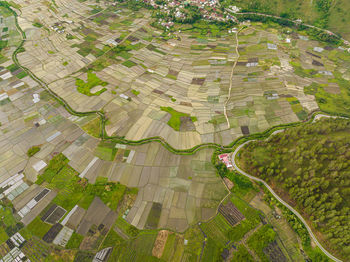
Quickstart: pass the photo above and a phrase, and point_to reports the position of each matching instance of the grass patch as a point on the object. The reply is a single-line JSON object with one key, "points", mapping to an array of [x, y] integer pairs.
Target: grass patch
{"points": [[38, 227], [171, 76], [128, 229], [73, 190], [141, 248], [242, 255], [129, 63], [175, 120], [12, 68], [135, 92], [338, 104], [218, 230], [260, 240], [33, 150], [297, 108], [93, 127], [106, 150], [3, 235], [75, 241], [112, 239], [37, 24], [21, 75], [92, 81]]}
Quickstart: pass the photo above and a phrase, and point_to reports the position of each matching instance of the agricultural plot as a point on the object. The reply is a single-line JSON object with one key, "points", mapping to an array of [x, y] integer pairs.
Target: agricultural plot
{"points": [[140, 249], [52, 233], [174, 191], [146, 75], [262, 243], [231, 213], [274, 253], [36, 250], [218, 230]]}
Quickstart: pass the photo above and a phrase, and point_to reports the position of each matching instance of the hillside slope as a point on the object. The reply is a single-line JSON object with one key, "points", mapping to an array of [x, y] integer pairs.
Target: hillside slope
{"points": [[329, 14], [309, 167]]}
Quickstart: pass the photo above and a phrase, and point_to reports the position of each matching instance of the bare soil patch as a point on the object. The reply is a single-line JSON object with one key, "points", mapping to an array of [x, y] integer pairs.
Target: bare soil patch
{"points": [[159, 244]]}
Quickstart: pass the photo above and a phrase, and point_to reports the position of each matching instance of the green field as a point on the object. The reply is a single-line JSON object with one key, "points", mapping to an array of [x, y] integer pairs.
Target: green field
{"points": [[92, 81], [73, 190], [112, 239], [242, 255], [140, 249], [106, 150], [175, 120], [38, 227], [260, 239], [74, 241], [218, 230], [338, 104]]}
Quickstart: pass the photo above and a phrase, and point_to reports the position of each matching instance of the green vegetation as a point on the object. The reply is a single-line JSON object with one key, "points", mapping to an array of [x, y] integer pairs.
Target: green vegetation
{"points": [[38, 24], [12, 68], [251, 221], [242, 184], [129, 63], [112, 239], [300, 71], [242, 255], [88, 46], [171, 76], [309, 165], [175, 120], [33, 150], [106, 150], [154, 216], [92, 81], [38, 227], [3, 44], [3, 235], [135, 92], [338, 104], [128, 229], [297, 108], [21, 75], [218, 229], [8, 224], [74, 190], [322, 13], [84, 256], [140, 249], [75, 241], [93, 127], [260, 239]]}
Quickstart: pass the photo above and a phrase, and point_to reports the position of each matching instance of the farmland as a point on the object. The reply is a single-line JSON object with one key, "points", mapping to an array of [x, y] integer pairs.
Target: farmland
{"points": [[146, 90], [112, 119]]}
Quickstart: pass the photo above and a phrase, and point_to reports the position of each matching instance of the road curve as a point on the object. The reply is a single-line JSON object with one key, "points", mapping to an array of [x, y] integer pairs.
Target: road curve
{"points": [[281, 201]]}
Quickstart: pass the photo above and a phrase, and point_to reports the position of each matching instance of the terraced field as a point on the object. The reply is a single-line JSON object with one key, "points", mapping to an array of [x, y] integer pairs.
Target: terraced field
{"points": [[94, 83]]}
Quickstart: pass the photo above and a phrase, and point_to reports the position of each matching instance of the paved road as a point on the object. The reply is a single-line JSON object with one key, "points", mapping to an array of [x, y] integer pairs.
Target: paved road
{"points": [[282, 202]]}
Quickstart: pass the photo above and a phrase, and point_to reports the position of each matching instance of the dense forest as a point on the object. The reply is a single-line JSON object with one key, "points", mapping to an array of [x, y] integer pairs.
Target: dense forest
{"points": [[309, 166]]}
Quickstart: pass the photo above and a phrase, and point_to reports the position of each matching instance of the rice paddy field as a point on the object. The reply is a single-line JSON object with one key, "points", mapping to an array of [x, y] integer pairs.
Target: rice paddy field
{"points": [[176, 86], [80, 194]]}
